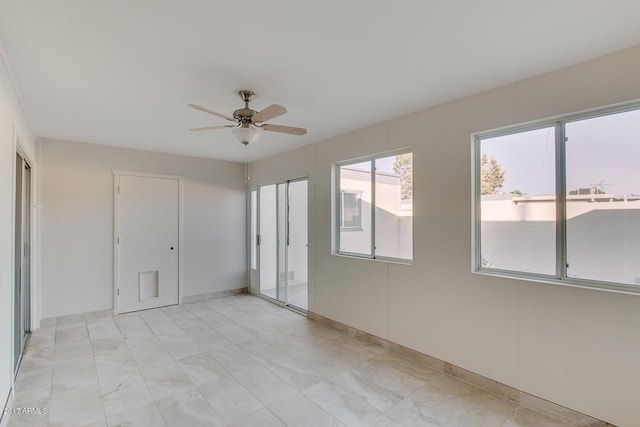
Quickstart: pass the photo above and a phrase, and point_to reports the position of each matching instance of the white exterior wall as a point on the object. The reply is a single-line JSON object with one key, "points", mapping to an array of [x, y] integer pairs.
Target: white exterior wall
{"points": [[576, 347], [393, 223], [387, 220], [12, 124], [603, 236], [77, 222], [358, 240]]}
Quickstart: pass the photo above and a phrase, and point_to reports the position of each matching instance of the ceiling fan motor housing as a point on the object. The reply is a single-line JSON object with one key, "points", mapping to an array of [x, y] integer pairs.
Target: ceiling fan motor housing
{"points": [[244, 115]]}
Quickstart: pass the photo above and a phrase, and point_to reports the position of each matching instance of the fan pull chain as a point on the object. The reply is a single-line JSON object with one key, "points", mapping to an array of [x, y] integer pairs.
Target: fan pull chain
{"points": [[247, 176]]}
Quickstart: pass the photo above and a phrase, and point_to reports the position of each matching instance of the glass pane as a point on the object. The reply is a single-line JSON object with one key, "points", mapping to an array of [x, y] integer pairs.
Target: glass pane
{"points": [[355, 205], [394, 206], [254, 216], [297, 258], [26, 263], [603, 198], [268, 241], [351, 209], [518, 202], [283, 271], [18, 261]]}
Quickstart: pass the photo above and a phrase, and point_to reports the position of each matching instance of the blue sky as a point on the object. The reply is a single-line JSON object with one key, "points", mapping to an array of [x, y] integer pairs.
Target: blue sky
{"points": [[600, 151]]}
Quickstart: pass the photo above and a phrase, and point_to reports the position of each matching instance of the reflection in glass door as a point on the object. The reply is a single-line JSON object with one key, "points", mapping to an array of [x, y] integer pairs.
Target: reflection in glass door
{"points": [[267, 241], [282, 242], [297, 247]]}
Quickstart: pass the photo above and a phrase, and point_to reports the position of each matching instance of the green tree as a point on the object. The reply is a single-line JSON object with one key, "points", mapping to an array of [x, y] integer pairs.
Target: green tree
{"points": [[403, 166], [491, 175]]}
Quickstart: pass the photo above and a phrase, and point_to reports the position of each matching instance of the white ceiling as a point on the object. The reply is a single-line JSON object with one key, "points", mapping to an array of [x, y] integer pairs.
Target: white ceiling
{"points": [[122, 72]]}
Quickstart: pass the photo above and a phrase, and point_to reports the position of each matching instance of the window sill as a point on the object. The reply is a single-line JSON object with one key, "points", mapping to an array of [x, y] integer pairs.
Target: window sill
{"points": [[572, 283], [377, 259], [348, 229]]}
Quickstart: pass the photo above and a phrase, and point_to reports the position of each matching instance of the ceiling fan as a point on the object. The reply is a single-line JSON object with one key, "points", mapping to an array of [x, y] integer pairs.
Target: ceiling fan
{"points": [[248, 121]]}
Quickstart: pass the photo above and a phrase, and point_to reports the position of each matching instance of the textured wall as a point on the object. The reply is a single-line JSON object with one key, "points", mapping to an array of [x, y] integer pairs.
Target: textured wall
{"points": [[576, 347], [77, 222]]}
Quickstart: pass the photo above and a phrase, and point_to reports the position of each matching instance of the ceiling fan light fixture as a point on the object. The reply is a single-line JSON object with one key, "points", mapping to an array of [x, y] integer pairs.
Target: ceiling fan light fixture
{"points": [[246, 135]]}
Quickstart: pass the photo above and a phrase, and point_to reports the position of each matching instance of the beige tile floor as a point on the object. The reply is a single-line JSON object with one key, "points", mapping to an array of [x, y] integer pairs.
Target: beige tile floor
{"points": [[237, 361], [297, 295]]}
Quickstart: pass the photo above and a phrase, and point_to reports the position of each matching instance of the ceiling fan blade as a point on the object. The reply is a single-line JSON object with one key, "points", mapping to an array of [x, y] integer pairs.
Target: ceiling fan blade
{"points": [[213, 127], [206, 110], [284, 129], [269, 113]]}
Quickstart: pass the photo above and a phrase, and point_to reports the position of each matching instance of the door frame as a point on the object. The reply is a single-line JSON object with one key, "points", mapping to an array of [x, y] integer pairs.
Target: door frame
{"points": [[258, 232], [117, 173], [34, 297]]}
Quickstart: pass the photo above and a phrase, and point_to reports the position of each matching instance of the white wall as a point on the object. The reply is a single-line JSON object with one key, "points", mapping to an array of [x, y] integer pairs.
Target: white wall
{"points": [[12, 120], [576, 347], [77, 222]]}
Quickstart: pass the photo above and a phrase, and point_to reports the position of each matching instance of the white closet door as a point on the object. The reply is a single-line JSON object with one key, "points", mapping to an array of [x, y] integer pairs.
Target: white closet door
{"points": [[148, 237]]}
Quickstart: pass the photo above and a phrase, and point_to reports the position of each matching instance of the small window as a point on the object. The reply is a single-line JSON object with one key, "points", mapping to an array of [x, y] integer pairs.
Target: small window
{"points": [[375, 207], [351, 212]]}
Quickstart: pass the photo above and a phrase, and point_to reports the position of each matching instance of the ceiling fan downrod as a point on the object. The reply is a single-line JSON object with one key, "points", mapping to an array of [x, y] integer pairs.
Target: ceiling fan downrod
{"points": [[245, 115]]}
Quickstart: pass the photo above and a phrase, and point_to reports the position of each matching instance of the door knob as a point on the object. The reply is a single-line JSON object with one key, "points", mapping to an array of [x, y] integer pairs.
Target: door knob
{"points": [[171, 247]]}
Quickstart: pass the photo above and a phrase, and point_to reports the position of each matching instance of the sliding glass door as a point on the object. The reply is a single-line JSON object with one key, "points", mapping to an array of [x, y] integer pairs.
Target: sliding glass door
{"points": [[282, 242], [22, 250], [267, 241], [297, 247]]}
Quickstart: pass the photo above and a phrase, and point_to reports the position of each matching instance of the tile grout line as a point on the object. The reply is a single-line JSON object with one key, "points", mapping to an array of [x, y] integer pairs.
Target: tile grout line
{"points": [[146, 384], [95, 368], [207, 352], [176, 361], [124, 340], [53, 367]]}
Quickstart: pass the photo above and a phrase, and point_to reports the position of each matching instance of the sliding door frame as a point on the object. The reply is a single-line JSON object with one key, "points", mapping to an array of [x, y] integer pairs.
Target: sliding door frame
{"points": [[258, 242], [22, 252]]}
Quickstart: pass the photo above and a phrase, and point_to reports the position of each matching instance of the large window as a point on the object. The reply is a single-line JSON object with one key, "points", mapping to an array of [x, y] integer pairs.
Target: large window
{"points": [[561, 201], [374, 215]]}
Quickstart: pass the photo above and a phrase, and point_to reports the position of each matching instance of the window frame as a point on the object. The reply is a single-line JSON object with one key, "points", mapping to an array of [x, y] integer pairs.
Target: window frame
{"points": [[337, 217], [560, 277]]}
